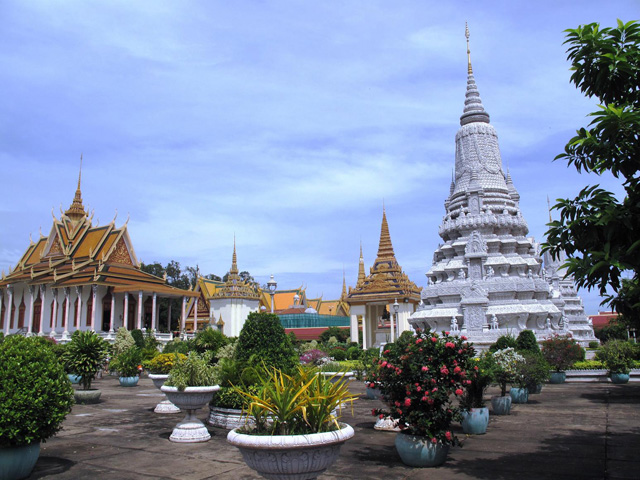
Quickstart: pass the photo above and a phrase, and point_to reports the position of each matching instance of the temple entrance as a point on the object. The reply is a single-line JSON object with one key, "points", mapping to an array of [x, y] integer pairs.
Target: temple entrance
{"points": [[37, 309], [106, 312]]}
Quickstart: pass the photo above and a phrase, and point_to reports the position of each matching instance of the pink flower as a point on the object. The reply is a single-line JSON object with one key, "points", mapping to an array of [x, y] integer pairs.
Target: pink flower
{"points": [[425, 369], [371, 385], [424, 398], [434, 440], [434, 389], [407, 402], [434, 339], [430, 401], [447, 435], [459, 391], [444, 371], [446, 333], [457, 370], [397, 404], [383, 364], [381, 416], [450, 345], [463, 337], [418, 341], [419, 388]]}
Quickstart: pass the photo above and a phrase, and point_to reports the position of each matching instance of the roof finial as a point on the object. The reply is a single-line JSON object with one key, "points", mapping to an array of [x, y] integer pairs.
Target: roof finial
{"points": [[466, 34], [80, 172], [549, 207]]}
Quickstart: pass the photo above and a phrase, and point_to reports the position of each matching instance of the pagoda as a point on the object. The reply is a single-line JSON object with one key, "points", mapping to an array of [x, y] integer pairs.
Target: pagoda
{"points": [[385, 285], [486, 279]]}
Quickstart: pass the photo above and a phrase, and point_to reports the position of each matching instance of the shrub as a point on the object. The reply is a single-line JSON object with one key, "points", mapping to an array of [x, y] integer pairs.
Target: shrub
{"points": [[479, 377], [209, 339], [612, 331], [124, 341], [338, 354], [85, 355], [508, 363], [164, 362], [228, 397], [263, 340], [533, 371], [504, 341], [588, 365], [354, 353], [35, 393], [178, 346], [617, 356], [128, 363], [562, 351], [594, 344], [526, 342], [341, 334], [314, 357], [194, 371], [138, 337], [419, 374]]}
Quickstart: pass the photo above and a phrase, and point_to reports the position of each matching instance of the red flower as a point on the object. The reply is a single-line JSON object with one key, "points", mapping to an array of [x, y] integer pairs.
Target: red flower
{"points": [[450, 345], [373, 412], [444, 371], [418, 341], [457, 370], [446, 333], [434, 339], [463, 337], [425, 369], [459, 391], [447, 435], [383, 364], [419, 388], [434, 440], [434, 389], [407, 402], [381, 416]]}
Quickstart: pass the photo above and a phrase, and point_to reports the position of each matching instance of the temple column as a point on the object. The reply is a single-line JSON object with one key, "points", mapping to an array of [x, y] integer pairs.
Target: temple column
{"points": [[125, 318], [31, 300], [394, 318], [112, 315], [43, 294], [169, 315], [139, 319], [195, 315], [79, 309], [7, 319], [65, 333], [365, 343], [354, 327], [54, 312], [183, 318], [153, 311], [94, 293]]}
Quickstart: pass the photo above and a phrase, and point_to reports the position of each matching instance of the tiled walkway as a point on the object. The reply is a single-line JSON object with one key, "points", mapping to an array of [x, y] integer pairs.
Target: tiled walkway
{"points": [[570, 431]]}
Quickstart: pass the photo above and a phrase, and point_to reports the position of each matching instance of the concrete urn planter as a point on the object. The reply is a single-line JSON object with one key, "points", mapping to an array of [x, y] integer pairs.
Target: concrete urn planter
{"points": [[296, 457], [165, 406], [190, 429], [91, 395], [228, 418]]}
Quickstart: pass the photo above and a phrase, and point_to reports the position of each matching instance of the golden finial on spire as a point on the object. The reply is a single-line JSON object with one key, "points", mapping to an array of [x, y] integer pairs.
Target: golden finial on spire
{"points": [[466, 34], [80, 173], [549, 207]]}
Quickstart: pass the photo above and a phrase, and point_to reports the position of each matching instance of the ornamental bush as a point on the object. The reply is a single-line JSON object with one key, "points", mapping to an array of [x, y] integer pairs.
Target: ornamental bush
{"points": [[419, 376], [178, 346], [504, 341], [128, 363], [163, 363], [194, 371], [35, 393], [526, 342], [124, 341], [508, 364], [562, 351], [617, 356], [479, 377], [263, 340], [209, 339], [85, 355]]}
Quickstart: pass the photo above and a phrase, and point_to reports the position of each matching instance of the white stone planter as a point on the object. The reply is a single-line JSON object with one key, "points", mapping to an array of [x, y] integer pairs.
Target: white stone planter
{"points": [[228, 418], [296, 457], [337, 377], [190, 429], [165, 406]]}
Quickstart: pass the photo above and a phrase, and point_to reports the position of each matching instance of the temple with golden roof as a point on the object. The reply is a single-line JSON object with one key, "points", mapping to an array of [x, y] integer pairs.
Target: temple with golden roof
{"points": [[374, 297], [81, 277]]}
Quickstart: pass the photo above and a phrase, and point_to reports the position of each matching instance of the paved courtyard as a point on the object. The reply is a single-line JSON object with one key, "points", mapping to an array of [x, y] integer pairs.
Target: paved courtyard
{"points": [[570, 431]]}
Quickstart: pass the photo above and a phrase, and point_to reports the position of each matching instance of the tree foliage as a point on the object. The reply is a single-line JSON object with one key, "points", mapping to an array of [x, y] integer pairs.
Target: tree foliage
{"points": [[600, 233]]}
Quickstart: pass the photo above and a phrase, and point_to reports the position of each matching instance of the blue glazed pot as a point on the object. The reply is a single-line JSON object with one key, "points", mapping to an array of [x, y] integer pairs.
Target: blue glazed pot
{"points": [[501, 405], [417, 451], [519, 395], [17, 462], [619, 378], [128, 381], [74, 379], [537, 389], [475, 421], [558, 377]]}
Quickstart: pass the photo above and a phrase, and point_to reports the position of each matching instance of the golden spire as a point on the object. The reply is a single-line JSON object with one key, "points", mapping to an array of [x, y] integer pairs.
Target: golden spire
{"points": [[234, 260], [344, 286], [549, 207], [385, 248], [361, 274], [76, 211], [466, 34]]}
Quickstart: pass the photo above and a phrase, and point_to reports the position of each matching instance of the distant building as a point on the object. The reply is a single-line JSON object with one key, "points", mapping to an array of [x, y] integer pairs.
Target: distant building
{"points": [[82, 277]]}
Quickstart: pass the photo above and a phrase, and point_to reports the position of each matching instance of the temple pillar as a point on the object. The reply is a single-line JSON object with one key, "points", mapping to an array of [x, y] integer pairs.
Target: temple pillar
{"points": [[54, 312], [94, 296], [112, 315], [139, 316], [79, 309], [169, 315], [65, 333], [195, 315], [7, 319], [43, 295], [365, 330], [125, 320], [183, 317], [153, 311], [31, 300], [354, 327]]}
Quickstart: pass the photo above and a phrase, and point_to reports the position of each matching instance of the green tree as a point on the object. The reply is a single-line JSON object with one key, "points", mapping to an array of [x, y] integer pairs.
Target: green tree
{"points": [[599, 233]]}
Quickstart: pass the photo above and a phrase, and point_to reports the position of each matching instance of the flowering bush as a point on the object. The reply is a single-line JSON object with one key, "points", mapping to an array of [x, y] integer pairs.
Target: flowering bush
{"points": [[617, 356], [314, 357], [479, 377], [419, 375], [508, 364], [532, 371], [561, 351]]}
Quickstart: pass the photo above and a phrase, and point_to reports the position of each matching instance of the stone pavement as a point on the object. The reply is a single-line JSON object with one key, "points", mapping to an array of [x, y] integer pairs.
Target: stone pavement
{"points": [[570, 431]]}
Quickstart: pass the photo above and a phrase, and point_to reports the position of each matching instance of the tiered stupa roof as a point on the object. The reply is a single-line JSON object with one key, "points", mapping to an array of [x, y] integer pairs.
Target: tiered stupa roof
{"points": [[486, 277], [235, 286], [386, 280]]}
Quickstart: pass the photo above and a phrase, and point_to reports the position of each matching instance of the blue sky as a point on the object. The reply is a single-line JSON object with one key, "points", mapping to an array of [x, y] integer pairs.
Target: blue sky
{"points": [[286, 123]]}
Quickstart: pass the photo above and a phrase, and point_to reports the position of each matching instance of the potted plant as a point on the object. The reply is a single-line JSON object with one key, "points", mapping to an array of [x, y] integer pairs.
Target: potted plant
{"points": [[128, 365], [190, 386], [617, 356], [507, 363], [532, 373], [335, 372], [85, 355], [371, 380], [35, 397], [561, 351], [296, 433], [419, 377], [475, 415], [159, 368]]}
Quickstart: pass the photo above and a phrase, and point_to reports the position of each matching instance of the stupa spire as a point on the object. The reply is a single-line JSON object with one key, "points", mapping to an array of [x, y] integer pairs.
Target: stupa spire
{"points": [[234, 259], [76, 211], [343, 295], [361, 273], [385, 248], [473, 109]]}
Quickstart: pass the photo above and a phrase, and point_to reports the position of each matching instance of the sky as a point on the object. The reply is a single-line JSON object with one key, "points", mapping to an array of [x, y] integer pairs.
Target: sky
{"points": [[287, 124]]}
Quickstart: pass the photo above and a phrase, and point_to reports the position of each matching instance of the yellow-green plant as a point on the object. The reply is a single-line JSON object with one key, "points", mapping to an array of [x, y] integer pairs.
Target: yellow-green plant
{"points": [[164, 362], [300, 403]]}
